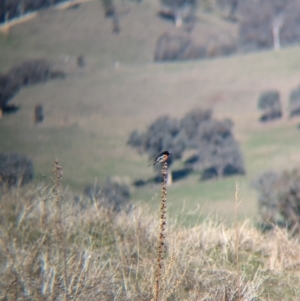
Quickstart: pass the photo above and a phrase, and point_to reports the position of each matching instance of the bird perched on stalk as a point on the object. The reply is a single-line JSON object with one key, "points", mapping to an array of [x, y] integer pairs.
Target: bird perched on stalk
{"points": [[161, 158]]}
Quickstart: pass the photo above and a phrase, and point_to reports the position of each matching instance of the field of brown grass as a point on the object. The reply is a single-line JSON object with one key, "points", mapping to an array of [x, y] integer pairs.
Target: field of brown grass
{"points": [[89, 115], [55, 248]]}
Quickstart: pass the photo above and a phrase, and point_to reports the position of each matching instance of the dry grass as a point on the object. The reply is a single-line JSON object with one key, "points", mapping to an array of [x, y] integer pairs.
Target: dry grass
{"points": [[51, 248]]}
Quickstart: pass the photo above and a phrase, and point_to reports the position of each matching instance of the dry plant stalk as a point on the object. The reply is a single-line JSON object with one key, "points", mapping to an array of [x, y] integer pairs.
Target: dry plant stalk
{"points": [[237, 240], [59, 226], [161, 237]]}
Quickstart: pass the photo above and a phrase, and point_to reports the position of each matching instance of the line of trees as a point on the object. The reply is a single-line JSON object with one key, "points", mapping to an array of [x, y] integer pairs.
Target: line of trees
{"points": [[262, 24], [216, 151], [27, 73], [10, 9]]}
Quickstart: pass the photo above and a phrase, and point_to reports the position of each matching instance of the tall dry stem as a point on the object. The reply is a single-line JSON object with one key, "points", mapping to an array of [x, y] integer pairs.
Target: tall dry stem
{"points": [[58, 172], [161, 237], [237, 240]]}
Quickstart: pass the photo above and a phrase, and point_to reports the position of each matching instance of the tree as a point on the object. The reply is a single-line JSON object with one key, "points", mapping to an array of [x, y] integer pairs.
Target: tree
{"points": [[8, 89], [269, 104], [294, 102], [217, 150], [111, 12], [192, 120], [269, 23], [39, 114], [213, 142], [163, 134], [108, 7], [180, 10]]}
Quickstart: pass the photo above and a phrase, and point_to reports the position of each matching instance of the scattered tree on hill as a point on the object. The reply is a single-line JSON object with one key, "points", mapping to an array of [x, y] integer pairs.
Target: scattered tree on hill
{"points": [[217, 151], [163, 134], [108, 7], [111, 12], [38, 114], [279, 198], [81, 61], [116, 23], [294, 102], [181, 11], [269, 104], [15, 169], [269, 23]]}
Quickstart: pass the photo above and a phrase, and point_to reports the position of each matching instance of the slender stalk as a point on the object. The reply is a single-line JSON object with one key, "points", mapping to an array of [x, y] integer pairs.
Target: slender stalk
{"points": [[59, 225], [237, 239], [161, 237]]}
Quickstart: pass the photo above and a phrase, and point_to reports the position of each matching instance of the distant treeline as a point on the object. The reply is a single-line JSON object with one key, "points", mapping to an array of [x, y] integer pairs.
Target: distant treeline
{"points": [[11, 9], [27, 73]]}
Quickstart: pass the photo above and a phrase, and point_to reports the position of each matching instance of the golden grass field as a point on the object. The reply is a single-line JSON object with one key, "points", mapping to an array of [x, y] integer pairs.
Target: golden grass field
{"points": [[90, 114], [52, 248]]}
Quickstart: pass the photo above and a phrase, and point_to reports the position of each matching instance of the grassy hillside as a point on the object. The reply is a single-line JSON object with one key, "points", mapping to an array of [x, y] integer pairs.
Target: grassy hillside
{"points": [[89, 115]]}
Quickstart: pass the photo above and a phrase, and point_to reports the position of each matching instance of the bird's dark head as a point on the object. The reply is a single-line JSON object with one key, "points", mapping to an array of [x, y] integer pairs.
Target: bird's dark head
{"points": [[166, 153]]}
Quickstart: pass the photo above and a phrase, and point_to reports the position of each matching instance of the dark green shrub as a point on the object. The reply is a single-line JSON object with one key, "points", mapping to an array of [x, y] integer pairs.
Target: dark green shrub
{"points": [[15, 169]]}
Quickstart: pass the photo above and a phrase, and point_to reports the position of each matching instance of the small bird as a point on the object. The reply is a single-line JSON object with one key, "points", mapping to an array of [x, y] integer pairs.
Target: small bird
{"points": [[162, 157]]}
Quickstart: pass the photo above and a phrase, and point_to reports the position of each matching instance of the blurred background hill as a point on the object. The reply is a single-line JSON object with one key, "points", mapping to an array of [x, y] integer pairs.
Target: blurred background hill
{"points": [[121, 65]]}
